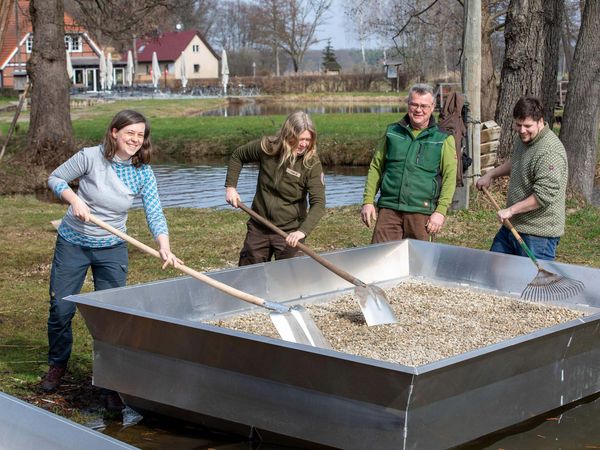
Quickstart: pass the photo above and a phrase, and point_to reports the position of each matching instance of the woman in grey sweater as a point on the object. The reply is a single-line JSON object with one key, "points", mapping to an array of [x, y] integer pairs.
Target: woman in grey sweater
{"points": [[110, 176]]}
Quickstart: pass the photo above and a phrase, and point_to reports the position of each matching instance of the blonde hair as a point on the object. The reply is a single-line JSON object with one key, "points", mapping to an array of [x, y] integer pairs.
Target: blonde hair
{"points": [[286, 140]]}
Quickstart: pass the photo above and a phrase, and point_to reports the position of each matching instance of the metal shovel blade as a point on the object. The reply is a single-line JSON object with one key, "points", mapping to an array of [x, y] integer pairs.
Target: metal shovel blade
{"points": [[374, 305], [297, 325]]}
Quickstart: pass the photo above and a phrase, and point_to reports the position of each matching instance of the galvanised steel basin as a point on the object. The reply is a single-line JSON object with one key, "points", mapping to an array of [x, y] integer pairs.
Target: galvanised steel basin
{"points": [[151, 345]]}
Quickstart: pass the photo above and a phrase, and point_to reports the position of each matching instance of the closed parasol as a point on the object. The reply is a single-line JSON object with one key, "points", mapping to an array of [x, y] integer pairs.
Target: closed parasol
{"points": [[102, 70], [69, 66], [224, 71], [155, 70], [109, 72], [183, 72], [129, 72]]}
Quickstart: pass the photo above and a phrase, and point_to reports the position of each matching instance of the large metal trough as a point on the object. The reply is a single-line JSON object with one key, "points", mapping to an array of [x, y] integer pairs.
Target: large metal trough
{"points": [[26, 427], [150, 344]]}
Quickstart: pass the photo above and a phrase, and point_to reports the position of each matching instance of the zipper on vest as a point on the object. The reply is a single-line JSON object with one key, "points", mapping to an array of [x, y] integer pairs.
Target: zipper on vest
{"points": [[419, 151]]}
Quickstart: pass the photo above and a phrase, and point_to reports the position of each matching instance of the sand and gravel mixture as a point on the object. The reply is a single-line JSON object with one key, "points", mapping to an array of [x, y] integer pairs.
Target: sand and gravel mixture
{"points": [[434, 322]]}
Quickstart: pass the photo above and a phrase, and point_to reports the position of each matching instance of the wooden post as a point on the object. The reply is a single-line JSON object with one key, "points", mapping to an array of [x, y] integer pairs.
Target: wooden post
{"points": [[471, 83]]}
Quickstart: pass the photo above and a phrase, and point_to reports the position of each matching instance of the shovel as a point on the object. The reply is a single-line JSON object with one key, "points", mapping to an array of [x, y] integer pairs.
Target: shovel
{"points": [[293, 324], [372, 300], [546, 286]]}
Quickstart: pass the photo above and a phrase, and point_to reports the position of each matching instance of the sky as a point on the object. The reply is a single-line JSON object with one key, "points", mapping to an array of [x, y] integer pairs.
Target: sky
{"points": [[336, 29]]}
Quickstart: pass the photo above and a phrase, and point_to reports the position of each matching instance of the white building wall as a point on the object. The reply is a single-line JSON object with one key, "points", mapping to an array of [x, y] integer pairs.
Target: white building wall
{"points": [[207, 62]]}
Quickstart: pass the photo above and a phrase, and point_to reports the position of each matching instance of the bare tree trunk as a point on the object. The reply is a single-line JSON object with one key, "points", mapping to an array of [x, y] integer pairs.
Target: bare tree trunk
{"points": [[553, 17], [523, 65], [489, 82], [50, 135], [579, 131]]}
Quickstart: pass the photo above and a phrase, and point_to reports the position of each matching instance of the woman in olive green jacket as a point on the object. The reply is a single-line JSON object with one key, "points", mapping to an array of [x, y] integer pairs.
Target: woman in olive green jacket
{"points": [[289, 172]]}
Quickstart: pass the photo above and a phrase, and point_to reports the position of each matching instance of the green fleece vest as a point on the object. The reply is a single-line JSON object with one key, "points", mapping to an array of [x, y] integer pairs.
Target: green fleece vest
{"points": [[411, 177]]}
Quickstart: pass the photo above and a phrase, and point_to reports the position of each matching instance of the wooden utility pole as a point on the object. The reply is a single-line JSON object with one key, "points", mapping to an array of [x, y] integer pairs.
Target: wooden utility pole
{"points": [[471, 85]]}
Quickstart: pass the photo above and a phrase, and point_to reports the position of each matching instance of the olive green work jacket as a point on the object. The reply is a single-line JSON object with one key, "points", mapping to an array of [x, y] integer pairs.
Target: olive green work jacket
{"points": [[282, 192]]}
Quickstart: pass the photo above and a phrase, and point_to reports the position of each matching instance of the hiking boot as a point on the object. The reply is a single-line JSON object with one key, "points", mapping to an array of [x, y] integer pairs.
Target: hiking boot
{"points": [[52, 378], [113, 402]]}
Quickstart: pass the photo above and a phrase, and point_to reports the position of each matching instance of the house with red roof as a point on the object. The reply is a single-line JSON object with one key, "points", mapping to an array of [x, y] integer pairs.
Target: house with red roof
{"points": [[17, 43], [201, 61]]}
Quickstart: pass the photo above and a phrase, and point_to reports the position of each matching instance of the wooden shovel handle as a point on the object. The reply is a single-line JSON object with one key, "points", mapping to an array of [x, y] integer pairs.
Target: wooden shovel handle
{"points": [[199, 276], [310, 252], [512, 229]]}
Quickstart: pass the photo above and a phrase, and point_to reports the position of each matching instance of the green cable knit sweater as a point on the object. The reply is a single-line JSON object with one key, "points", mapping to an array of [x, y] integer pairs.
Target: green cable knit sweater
{"points": [[539, 168]]}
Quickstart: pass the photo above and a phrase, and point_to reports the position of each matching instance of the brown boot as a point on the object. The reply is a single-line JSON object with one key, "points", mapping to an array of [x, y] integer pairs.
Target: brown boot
{"points": [[52, 378]]}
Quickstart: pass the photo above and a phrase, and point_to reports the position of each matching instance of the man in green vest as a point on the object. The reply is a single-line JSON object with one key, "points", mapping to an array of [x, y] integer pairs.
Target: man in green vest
{"points": [[414, 169]]}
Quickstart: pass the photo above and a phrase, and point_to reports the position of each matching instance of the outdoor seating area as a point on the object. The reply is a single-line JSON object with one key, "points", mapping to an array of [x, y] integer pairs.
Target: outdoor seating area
{"points": [[149, 91]]}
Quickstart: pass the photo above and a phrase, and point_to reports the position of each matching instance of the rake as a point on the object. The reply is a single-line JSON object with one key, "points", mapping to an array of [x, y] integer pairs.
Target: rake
{"points": [[546, 286]]}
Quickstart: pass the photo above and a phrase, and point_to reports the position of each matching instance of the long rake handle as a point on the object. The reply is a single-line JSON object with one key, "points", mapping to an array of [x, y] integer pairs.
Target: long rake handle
{"points": [[187, 270], [310, 252], [512, 229]]}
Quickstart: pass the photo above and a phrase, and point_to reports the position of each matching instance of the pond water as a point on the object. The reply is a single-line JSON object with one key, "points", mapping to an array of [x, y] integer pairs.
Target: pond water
{"points": [[202, 186], [271, 108]]}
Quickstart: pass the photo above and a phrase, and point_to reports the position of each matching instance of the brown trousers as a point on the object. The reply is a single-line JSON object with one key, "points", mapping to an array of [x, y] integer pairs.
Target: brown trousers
{"points": [[394, 225], [262, 244]]}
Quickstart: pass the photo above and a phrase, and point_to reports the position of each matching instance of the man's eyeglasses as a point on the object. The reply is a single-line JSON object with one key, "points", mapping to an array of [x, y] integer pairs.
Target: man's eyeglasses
{"points": [[418, 105]]}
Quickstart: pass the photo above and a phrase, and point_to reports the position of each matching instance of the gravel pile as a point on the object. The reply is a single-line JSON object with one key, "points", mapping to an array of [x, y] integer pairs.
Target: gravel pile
{"points": [[434, 322]]}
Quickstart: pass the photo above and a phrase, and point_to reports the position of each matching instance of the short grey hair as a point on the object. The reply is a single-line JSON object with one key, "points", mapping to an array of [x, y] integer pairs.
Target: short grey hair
{"points": [[421, 89]]}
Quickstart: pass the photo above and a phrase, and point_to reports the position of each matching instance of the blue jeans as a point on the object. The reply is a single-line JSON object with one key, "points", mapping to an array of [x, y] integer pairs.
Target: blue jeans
{"points": [[69, 267], [541, 247]]}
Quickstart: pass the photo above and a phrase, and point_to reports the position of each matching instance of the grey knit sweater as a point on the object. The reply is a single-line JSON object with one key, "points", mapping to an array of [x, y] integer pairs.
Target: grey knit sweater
{"points": [[539, 168]]}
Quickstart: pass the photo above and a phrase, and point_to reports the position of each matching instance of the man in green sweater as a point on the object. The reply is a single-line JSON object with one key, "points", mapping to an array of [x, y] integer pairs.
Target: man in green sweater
{"points": [[414, 168], [537, 188]]}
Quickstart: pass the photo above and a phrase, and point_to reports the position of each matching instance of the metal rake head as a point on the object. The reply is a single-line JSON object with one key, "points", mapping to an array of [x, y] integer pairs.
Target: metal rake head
{"points": [[549, 287]]}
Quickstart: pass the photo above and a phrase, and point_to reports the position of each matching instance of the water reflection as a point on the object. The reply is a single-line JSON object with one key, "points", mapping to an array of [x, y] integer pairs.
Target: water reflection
{"points": [[202, 186], [269, 108], [574, 428]]}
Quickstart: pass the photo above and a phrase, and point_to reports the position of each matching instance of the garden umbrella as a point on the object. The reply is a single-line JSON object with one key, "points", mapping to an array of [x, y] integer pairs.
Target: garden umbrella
{"points": [[182, 72], [224, 71], [102, 70], [69, 66], [109, 72], [155, 70], [129, 72]]}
